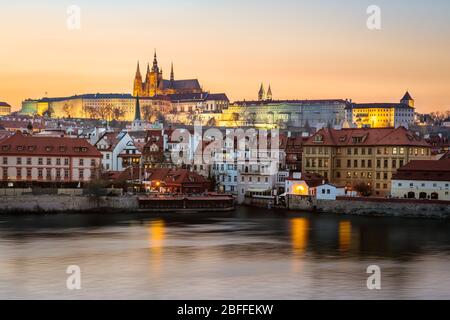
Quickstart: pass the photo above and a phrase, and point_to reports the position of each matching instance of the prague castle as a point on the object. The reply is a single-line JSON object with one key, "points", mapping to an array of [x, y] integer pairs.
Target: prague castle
{"points": [[155, 85]]}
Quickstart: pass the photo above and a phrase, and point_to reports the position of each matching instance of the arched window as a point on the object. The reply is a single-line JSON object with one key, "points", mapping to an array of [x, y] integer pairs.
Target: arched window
{"points": [[423, 195], [411, 195], [434, 196]]}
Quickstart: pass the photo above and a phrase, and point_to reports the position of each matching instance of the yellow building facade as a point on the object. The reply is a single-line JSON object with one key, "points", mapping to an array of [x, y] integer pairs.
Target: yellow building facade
{"points": [[351, 157]]}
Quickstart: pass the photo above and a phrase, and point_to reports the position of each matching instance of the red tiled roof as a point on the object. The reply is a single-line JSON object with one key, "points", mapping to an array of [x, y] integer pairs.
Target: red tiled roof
{"points": [[169, 176], [19, 144], [17, 124], [434, 170], [366, 136]]}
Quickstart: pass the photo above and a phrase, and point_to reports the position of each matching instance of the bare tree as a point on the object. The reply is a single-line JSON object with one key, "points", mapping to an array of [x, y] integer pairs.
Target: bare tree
{"points": [[67, 108], [117, 113]]}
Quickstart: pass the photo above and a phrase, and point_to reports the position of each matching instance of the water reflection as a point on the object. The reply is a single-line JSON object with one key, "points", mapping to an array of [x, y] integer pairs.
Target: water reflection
{"points": [[299, 235], [345, 234], [156, 231], [252, 253]]}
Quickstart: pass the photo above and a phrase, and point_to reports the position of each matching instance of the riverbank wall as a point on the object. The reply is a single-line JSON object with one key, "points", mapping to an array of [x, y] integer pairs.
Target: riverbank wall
{"points": [[66, 203], [373, 206]]}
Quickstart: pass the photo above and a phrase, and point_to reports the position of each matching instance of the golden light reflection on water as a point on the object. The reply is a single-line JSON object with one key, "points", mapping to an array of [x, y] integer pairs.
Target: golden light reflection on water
{"points": [[156, 232], [345, 233], [299, 234]]}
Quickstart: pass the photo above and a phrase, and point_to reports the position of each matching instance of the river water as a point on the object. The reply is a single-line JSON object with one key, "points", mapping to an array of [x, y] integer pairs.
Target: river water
{"points": [[249, 254]]}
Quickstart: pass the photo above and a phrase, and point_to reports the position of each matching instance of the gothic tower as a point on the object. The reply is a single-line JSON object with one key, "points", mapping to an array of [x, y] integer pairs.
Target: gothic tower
{"points": [[269, 94], [261, 93], [146, 89], [137, 86], [155, 78]]}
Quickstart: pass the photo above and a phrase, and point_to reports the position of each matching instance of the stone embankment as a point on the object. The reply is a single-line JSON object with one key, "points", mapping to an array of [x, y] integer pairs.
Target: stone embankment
{"points": [[373, 206], [66, 203]]}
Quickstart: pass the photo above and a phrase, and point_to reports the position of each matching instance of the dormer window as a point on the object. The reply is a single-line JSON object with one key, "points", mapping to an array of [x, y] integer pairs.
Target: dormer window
{"points": [[48, 148], [357, 139], [318, 138], [62, 149]]}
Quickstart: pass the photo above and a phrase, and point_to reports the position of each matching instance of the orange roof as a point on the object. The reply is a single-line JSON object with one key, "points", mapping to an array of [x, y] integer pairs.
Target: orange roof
{"points": [[19, 144], [366, 136]]}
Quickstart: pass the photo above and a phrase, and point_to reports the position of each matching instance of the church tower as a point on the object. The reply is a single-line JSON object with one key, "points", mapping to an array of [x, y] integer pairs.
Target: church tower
{"points": [[261, 93], [408, 100], [155, 78], [172, 76], [137, 110], [137, 86], [146, 88], [269, 94]]}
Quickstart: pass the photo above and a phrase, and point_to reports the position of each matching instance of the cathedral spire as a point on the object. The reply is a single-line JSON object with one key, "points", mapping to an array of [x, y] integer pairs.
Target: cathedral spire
{"points": [[137, 110], [269, 93], [172, 77], [138, 71], [261, 93], [155, 63], [137, 84]]}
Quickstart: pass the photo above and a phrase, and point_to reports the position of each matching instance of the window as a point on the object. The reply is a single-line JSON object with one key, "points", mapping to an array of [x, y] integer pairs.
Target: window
{"points": [[40, 161], [394, 164], [19, 173], [66, 161], [5, 173], [58, 161], [40, 173], [81, 162], [66, 174], [19, 160], [49, 161], [28, 161], [385, 164], [369, 163], [338, 163], [81, 174], [349, 163], [5, 160], [49, 174], [92, 162], [29, 173], [378, 163], [355, 163]]}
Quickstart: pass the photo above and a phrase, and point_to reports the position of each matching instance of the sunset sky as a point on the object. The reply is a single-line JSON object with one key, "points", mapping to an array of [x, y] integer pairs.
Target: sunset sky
{"points": [[306, 49]]}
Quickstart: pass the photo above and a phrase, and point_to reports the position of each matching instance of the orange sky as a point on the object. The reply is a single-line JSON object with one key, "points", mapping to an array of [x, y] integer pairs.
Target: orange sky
{"points": [[306, 51]]}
